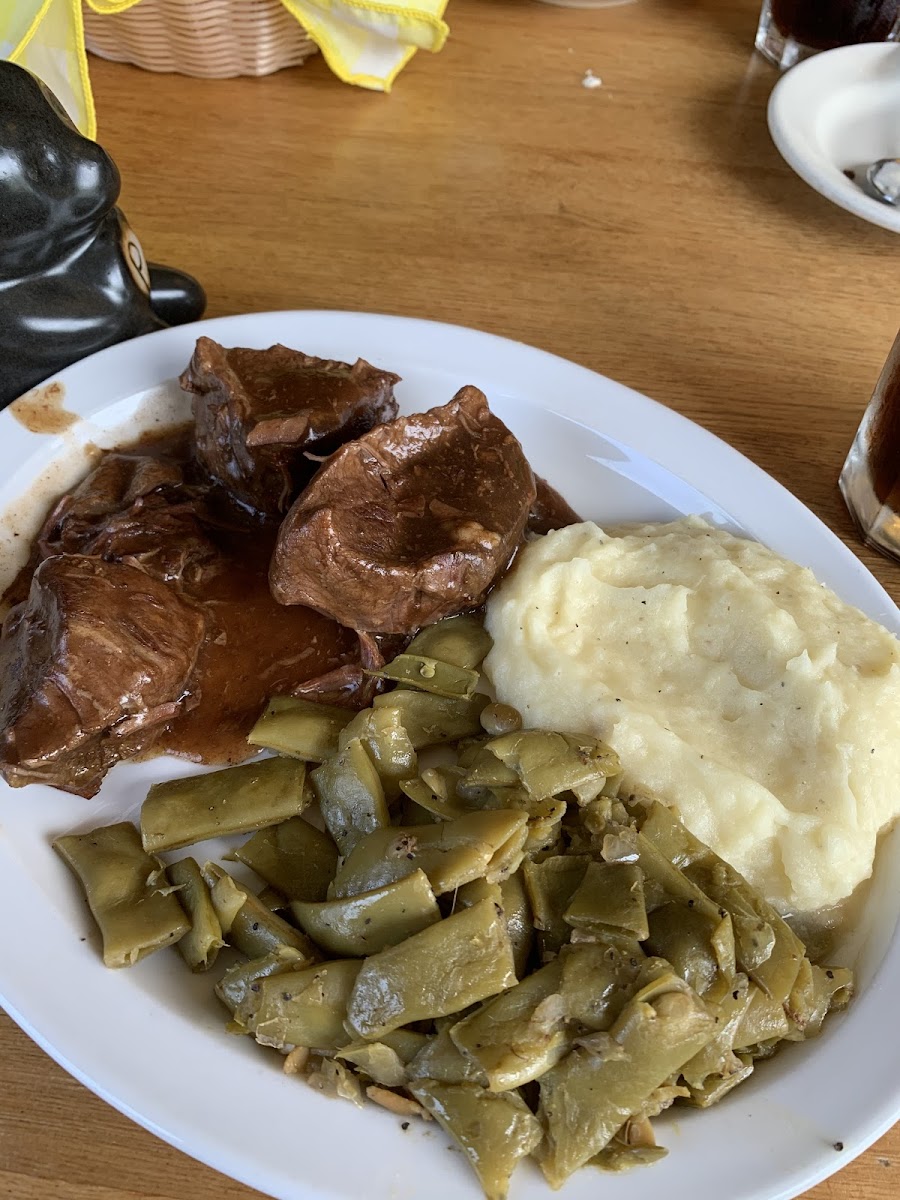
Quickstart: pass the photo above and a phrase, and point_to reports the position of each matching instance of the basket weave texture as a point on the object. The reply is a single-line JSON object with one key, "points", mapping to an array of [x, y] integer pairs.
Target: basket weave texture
{"points": [[213, 39]]}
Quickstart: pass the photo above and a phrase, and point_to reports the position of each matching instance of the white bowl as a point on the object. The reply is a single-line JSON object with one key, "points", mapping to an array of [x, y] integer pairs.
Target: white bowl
{"points": [[838, 112]]}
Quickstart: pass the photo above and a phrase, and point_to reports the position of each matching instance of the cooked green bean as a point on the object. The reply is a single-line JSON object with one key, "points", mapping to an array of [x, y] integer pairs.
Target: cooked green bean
{"points": [[235, 985], [119, 879], [441, 970], [441, 1059], [246, 923], [550, 885], [586, 1097], [763, 1021], [682, 936], [460, 641], [494, 1132], [295, 858], [450, 853], [430, 675], [200, 946], [300, 728], [430, 720], [520, 1034], [387, 743], [236, 800], [350, 795], [386, 1062], [717, 1063], [551, 763], [597, 982], [306, 1007], [775, 974], [370, 921], [519, 919], [433, 800], [609, 901]]}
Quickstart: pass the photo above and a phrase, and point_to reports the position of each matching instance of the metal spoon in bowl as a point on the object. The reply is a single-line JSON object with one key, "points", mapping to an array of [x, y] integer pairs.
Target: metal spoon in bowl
{"points": [[883, 177]]}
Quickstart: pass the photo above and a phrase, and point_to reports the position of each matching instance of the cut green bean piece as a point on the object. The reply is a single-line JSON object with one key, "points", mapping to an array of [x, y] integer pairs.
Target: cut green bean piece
{"points": [[586, 1098], [519, 1034], [519, 919], [494, 1132], [432, 800], [551, 763], [717, 1087], [441, 970], [371, 921], [441, 1059], [431, 720], [461, 641], [618, 1157], [236, 800], [350, 795], [683, 937], [387, 743], [386, 1062], [609, 901], [832, 990], [118, 877], [777, 973], [302, 1008], [717, 1060], [597, 983], [430, 675], [295, 858], [551, 885], [763, 1020], [450, 853], [200, 946], [300, 728], [246, 923], [235, 985]]}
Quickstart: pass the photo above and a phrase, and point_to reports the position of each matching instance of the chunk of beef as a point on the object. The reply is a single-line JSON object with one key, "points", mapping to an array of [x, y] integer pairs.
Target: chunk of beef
{"points": [[410, 523], [258, 414], [93, 664], [549, 511], [131, 508]]}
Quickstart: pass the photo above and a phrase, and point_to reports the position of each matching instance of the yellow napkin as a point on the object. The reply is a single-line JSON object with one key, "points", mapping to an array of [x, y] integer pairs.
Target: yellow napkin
{"points": [[365, 42]]}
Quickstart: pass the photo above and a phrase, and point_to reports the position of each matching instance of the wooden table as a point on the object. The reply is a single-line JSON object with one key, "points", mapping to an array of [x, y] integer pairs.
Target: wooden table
{"points": [[647, 229]]}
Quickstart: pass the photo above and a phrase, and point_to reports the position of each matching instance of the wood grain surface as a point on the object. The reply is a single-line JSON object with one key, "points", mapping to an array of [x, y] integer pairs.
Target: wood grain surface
{"points": [[647, 229]]}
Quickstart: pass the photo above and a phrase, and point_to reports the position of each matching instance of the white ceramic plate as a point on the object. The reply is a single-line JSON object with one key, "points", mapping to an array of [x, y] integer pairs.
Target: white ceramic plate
{"points": [[150, 1039], [837, 112]]}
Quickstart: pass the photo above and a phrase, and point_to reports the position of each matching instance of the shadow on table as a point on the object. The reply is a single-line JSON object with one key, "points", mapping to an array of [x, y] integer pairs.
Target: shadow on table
{"points": [[733, 123]]}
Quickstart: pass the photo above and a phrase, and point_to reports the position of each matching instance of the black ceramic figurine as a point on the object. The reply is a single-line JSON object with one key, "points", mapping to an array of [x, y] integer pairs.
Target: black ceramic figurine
{"points": [[73, 278]]}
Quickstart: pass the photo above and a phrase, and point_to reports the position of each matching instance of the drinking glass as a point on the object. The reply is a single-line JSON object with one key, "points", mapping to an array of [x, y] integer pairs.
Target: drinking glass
{"points": [[870, 480], [790, 30]]}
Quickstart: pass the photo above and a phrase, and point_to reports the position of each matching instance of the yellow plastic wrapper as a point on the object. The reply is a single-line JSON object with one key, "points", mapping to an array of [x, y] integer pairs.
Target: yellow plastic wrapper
{"points": [[363, 41]]}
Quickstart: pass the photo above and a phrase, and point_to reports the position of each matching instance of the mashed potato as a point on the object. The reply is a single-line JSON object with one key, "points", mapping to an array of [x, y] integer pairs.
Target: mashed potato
{"points": [[731, 683]]}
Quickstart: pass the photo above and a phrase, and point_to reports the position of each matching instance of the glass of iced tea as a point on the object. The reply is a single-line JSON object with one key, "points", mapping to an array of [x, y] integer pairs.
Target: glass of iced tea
{"points": [[870, 480], [790, 30]]}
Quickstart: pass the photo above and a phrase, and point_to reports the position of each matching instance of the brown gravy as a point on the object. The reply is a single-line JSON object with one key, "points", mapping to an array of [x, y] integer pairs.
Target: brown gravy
{"points": [[41, 410], [254, 648]]}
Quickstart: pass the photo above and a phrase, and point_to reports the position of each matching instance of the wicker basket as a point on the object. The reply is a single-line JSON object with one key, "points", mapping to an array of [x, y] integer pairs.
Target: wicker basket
{"points": [[213, 39]]}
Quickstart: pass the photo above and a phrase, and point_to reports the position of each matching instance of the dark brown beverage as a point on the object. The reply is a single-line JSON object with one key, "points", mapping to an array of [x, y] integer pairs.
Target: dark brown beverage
{"points": [[824, 24]]}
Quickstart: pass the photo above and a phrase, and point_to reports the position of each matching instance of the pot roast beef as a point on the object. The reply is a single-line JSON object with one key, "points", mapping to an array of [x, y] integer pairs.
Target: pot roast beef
{"points": [[134, 508], [259, 414], [410, 523], [94, 662]]}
